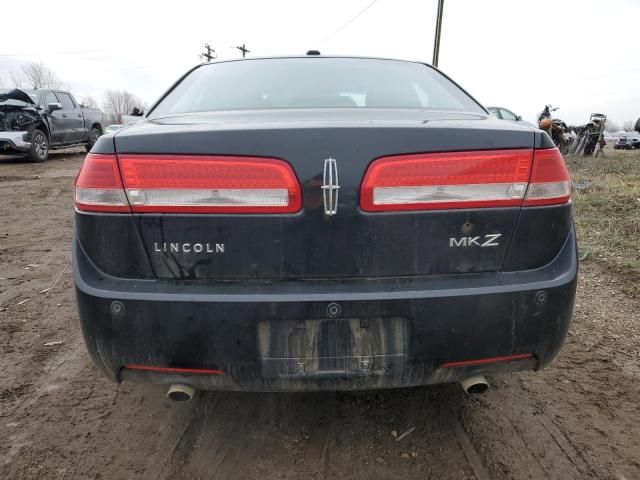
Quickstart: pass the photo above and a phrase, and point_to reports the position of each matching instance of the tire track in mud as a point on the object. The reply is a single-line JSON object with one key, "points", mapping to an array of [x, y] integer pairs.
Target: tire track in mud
{"points": [[472, 455], [516, 438], [322, 435]]}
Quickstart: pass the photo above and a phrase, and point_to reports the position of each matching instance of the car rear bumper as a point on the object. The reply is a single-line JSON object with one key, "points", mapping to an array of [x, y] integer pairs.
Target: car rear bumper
{"points": [[288, 335], [14, 142]]}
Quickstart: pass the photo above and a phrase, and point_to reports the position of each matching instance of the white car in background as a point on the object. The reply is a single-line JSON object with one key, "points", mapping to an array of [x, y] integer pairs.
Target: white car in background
{"points": [[505, 114]]}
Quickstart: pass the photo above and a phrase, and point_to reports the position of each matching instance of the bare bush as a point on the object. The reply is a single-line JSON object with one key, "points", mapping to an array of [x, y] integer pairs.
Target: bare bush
{"points": [[88, 101]]}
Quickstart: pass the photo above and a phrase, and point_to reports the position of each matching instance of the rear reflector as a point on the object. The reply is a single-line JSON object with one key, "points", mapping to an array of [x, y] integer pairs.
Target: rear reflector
{"points": [[438, 181], [484, 361], [197, 371], [98, 186], [173, 184]]}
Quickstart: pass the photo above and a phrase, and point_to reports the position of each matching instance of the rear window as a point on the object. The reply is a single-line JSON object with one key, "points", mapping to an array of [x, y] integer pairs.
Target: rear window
{"points": [[314, 83]]}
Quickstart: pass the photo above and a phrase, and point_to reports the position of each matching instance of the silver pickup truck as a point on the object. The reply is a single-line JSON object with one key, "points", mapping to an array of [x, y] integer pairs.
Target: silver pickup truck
{"points": [[32, 122]]}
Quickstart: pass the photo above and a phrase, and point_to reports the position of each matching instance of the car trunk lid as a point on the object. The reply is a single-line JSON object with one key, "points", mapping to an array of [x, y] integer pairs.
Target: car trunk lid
{"points": [[314, 243]]}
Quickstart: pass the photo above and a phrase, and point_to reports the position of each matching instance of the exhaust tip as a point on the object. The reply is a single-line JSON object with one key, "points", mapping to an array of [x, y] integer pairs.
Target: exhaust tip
{"points": [[180, 393], [475, 385]]}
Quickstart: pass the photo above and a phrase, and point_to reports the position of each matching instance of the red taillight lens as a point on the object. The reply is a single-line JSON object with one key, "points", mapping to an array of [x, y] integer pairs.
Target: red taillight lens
{"points": [[173, 184], [187, 184], [550, 183], [435, 181], [98, 186], [438, 181]]}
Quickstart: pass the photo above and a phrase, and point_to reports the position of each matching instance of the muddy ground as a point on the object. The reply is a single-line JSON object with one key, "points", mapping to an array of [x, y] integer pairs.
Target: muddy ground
{"points": [[60, 419]]}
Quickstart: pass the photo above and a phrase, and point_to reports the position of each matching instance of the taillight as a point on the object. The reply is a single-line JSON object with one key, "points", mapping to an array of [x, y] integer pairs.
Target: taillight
{"points": [[188, 184], [550, 183], [455, 180], [435, 181], [98, 186]]}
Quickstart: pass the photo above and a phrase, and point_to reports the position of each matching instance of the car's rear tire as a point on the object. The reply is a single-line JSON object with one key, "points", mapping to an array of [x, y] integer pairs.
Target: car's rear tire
{"points": [[93, 138], [39, 150]]}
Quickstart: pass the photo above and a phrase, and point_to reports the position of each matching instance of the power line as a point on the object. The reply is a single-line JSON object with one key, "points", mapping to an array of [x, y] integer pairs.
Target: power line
{"points": [[345, 25]]}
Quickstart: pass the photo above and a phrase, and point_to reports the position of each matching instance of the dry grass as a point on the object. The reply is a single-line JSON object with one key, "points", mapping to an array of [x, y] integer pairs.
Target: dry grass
{"points": [[607, 213]]}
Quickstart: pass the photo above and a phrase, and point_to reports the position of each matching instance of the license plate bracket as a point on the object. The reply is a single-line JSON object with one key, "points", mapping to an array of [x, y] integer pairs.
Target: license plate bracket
{"points": [[333, 347]]}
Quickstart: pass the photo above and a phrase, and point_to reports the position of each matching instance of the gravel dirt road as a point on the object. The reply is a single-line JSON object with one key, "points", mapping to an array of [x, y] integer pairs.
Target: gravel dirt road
{"points": [[60, 419]]}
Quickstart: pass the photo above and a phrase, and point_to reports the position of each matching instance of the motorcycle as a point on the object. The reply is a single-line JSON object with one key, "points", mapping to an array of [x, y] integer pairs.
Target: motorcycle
{"points": [[555, 128]]}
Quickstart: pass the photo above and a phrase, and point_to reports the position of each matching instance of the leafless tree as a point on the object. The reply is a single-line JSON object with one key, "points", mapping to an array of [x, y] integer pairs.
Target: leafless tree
{"points": [[1, 81], [120, 102], [628, 125], [17, 79], [38, 75], [612, 126], [88, 101]]}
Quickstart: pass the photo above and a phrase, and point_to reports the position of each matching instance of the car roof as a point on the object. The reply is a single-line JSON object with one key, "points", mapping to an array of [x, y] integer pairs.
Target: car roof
{"points": [[315, 57]]}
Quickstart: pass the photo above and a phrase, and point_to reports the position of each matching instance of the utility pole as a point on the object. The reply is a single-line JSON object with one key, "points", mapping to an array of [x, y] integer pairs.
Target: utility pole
{"points": [[436, 41], [244, 50], [209, 53]]}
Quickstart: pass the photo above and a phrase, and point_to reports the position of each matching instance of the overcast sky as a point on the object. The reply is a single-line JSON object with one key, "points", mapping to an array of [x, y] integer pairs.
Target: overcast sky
{"points": [[579, 55]]}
